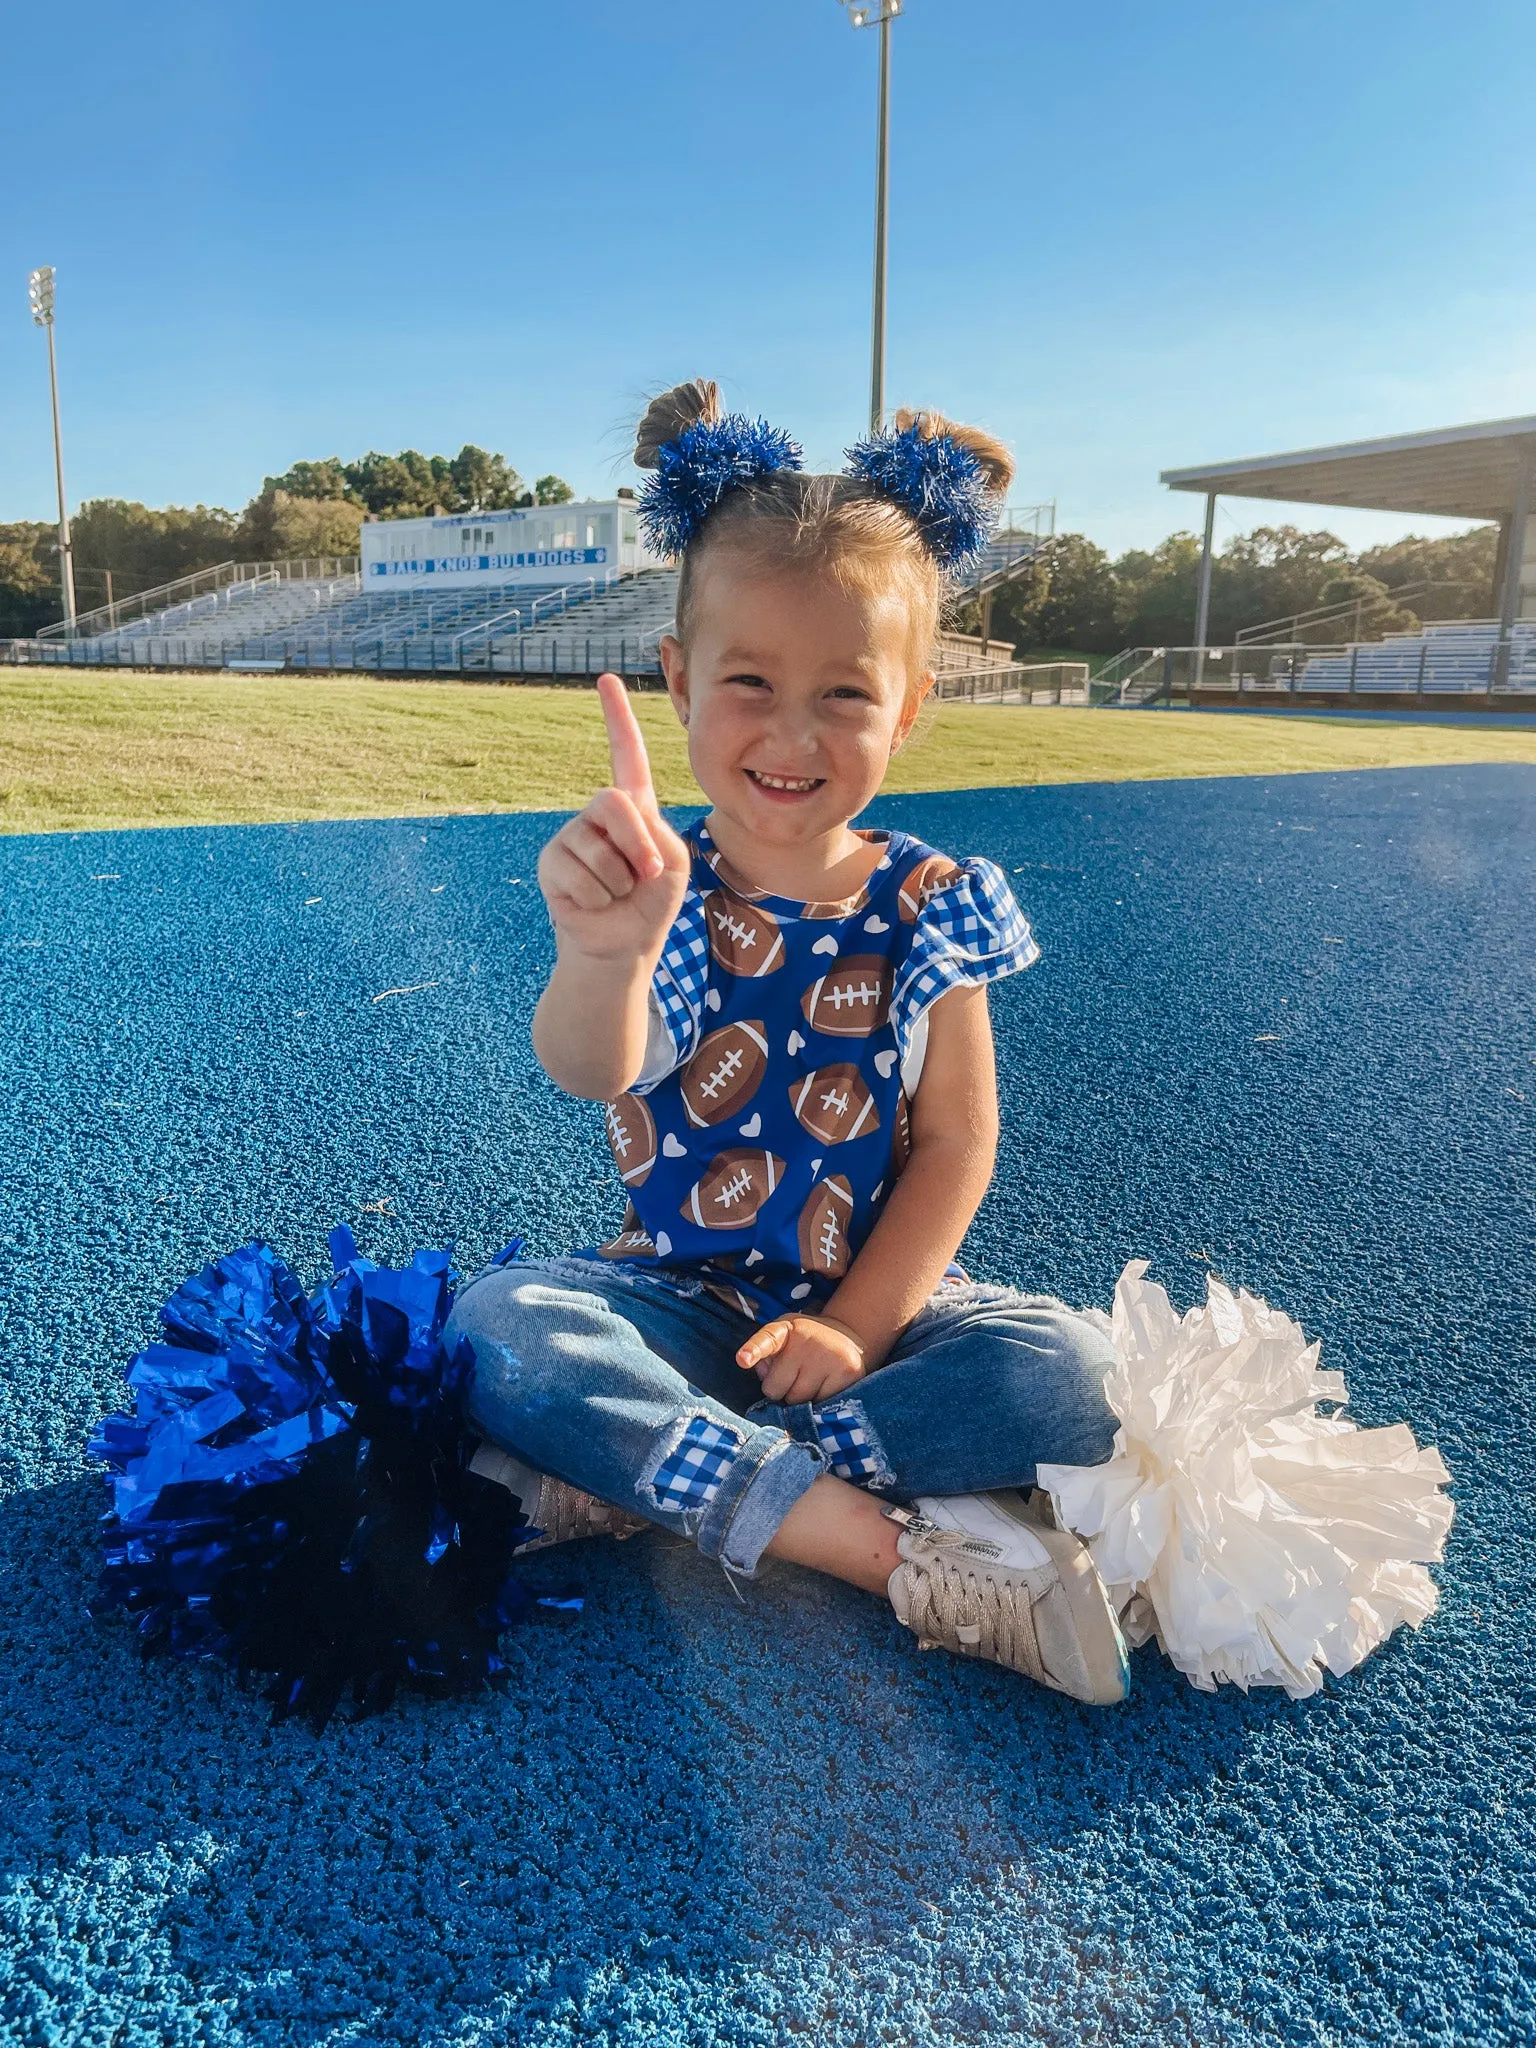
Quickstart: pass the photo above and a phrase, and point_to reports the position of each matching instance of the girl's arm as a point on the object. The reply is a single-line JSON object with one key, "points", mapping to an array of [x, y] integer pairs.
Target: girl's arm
{"points": [[613, 879], [954, 1145]]}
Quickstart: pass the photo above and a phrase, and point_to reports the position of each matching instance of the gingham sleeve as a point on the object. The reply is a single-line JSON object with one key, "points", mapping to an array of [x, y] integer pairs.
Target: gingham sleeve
{"points": [[677, 993], [969, 933]]}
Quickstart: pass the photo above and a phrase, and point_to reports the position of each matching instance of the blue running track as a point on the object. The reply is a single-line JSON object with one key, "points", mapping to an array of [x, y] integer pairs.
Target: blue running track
{"points": [[1283, 1028]]}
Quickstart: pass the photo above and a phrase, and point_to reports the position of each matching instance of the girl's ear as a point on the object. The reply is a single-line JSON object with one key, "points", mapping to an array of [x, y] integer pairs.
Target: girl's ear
{"points": [[674, 667], [909, 711]]}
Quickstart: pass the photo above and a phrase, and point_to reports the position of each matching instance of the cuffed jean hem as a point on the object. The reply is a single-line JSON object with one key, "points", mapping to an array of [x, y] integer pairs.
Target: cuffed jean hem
{"points": [[769, 1475]]}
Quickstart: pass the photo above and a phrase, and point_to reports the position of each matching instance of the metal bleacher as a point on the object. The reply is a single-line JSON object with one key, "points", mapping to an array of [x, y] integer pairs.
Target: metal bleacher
{"points": [[1457, 656], [319, 615], [278, 620]]}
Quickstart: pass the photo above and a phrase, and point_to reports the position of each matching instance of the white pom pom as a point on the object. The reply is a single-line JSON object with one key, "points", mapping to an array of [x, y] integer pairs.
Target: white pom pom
{"points": [[1259, 1541]]}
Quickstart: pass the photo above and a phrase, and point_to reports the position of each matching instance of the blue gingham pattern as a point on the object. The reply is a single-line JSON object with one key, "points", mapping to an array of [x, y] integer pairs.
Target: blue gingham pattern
{"points": [[689, 1477], [682, 976], [967, 934], [840, 1429]]}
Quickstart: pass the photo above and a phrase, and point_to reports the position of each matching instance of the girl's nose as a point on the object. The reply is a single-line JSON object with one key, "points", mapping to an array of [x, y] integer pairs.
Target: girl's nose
{"points": [[795, 731]]}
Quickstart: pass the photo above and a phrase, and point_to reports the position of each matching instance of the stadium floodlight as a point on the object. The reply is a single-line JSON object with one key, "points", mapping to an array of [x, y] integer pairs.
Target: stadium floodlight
{"points": [[879, 14], [40, 298]]}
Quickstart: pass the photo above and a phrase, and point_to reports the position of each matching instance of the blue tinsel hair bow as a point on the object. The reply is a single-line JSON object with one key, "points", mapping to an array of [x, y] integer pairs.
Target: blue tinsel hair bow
{"points": [[939, 482], [706, 462]]}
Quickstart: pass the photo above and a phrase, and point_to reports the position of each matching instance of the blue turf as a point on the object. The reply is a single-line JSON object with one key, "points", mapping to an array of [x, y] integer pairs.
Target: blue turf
{"points": [[693, 1821]]}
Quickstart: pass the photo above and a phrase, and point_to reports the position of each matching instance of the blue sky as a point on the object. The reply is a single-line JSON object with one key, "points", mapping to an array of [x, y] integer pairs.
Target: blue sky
{"points": [[1126, 237]]}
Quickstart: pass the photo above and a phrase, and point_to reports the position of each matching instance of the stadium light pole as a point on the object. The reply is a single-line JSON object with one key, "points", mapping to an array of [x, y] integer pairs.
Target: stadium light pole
{"points": [[40, 296], [879, 14]]}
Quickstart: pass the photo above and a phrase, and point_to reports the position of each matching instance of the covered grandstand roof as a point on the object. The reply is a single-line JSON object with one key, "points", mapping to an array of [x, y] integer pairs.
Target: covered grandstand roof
{"points": [[1460, 472]]}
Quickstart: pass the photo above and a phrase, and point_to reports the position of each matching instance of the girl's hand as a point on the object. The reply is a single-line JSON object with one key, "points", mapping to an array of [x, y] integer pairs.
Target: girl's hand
{"points": [[803, 1358], [614, 877]]}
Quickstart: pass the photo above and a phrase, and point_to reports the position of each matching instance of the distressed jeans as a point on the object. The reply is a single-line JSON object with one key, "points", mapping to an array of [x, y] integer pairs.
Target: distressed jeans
{"points": [[625, 1383]]}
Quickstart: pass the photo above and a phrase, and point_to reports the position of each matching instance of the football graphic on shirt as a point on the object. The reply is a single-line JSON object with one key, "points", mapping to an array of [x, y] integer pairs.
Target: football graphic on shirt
{"points": [[901, 1142], [845, 908], [733, 1297], [852, 999], [925, 880], [743, 937], [631, 1138], [824, 1223], [725, 1073], [835, 1105], [733, 879], [732, 1188], [632, 1242]]}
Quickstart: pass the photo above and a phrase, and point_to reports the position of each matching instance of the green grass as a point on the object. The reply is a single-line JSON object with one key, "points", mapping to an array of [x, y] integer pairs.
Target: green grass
{"points": [[82, 750]]}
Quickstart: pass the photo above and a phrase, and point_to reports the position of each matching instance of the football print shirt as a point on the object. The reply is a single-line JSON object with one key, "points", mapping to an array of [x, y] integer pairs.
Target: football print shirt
{"points": [[760, 1159]]}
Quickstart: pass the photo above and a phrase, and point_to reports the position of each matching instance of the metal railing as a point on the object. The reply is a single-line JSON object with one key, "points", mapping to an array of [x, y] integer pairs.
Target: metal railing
{"points": [[1141, 678], [489, 625], [556, 655], [1016, 682], [201, 583], [1298, 627]]}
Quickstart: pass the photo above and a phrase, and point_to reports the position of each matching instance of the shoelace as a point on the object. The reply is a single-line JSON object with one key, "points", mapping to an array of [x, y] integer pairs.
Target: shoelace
{"points": [[950, 1601]]}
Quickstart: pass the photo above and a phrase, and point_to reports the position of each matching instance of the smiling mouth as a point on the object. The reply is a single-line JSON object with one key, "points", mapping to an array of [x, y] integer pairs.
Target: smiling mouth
{"points": [[786, 785]]}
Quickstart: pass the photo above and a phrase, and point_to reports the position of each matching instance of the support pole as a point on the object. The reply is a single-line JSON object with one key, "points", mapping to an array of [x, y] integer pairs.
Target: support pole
{"points": [[1514, 555], [1203, 600], [882, 165], [66, 552]]}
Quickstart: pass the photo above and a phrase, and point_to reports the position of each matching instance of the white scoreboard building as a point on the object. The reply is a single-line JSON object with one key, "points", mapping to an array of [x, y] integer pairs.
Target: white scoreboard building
{"points": [[597, 537]]}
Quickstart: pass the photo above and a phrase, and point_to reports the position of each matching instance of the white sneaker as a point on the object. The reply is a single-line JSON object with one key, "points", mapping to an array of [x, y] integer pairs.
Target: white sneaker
{"points": [[560, 1513], [982, 1576]]}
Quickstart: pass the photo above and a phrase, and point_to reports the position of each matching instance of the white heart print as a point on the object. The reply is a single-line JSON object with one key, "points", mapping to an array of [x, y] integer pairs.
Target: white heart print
{"points": [[712, 999], [884, 1061], [799, 1293], [815, 1166], [663, 1244], [826, 945], [673, 1148], [876, 924], [753, 1258], [796, 1042], [752, 1128]]}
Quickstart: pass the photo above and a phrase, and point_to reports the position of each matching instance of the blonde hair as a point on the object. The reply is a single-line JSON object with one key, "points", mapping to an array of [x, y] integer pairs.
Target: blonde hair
{"points": [[833, 526]]}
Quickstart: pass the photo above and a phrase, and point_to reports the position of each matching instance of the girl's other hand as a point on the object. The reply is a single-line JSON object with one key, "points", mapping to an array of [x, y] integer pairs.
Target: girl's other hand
{"points": [[803, 1358], [614, 876]]}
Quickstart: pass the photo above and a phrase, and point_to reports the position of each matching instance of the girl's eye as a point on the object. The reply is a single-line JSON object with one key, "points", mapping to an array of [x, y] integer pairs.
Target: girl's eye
{"points": [[851, 693], [749, 682]]}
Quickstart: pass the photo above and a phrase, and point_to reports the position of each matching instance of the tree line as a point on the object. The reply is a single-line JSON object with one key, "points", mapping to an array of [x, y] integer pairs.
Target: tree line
{"points": [[313, 509], [1076, 597]]}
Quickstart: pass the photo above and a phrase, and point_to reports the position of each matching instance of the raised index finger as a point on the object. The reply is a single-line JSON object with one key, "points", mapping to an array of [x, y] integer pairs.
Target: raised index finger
{"points": [[626, 742]]}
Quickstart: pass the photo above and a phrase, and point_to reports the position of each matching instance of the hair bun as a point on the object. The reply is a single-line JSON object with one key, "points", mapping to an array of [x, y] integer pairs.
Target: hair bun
{"points": [[992, 458], [685, 405], [947, 479]]}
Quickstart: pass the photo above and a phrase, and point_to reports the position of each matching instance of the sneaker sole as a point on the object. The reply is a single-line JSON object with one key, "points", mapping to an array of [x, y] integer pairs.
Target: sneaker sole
{"points": [[1088, 1602]]}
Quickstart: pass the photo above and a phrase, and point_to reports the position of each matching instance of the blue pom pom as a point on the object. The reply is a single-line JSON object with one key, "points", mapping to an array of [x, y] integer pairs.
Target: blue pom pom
{"points": [[291, 1489], [939, 482], [233, 1399], [705, 462]]}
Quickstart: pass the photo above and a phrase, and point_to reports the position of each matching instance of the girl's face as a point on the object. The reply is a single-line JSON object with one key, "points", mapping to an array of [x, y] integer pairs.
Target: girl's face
{"points": [[795, 695]]}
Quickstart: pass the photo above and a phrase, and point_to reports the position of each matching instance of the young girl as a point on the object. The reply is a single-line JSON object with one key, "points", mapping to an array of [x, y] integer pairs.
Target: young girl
{"points": [[787, 1019]]}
